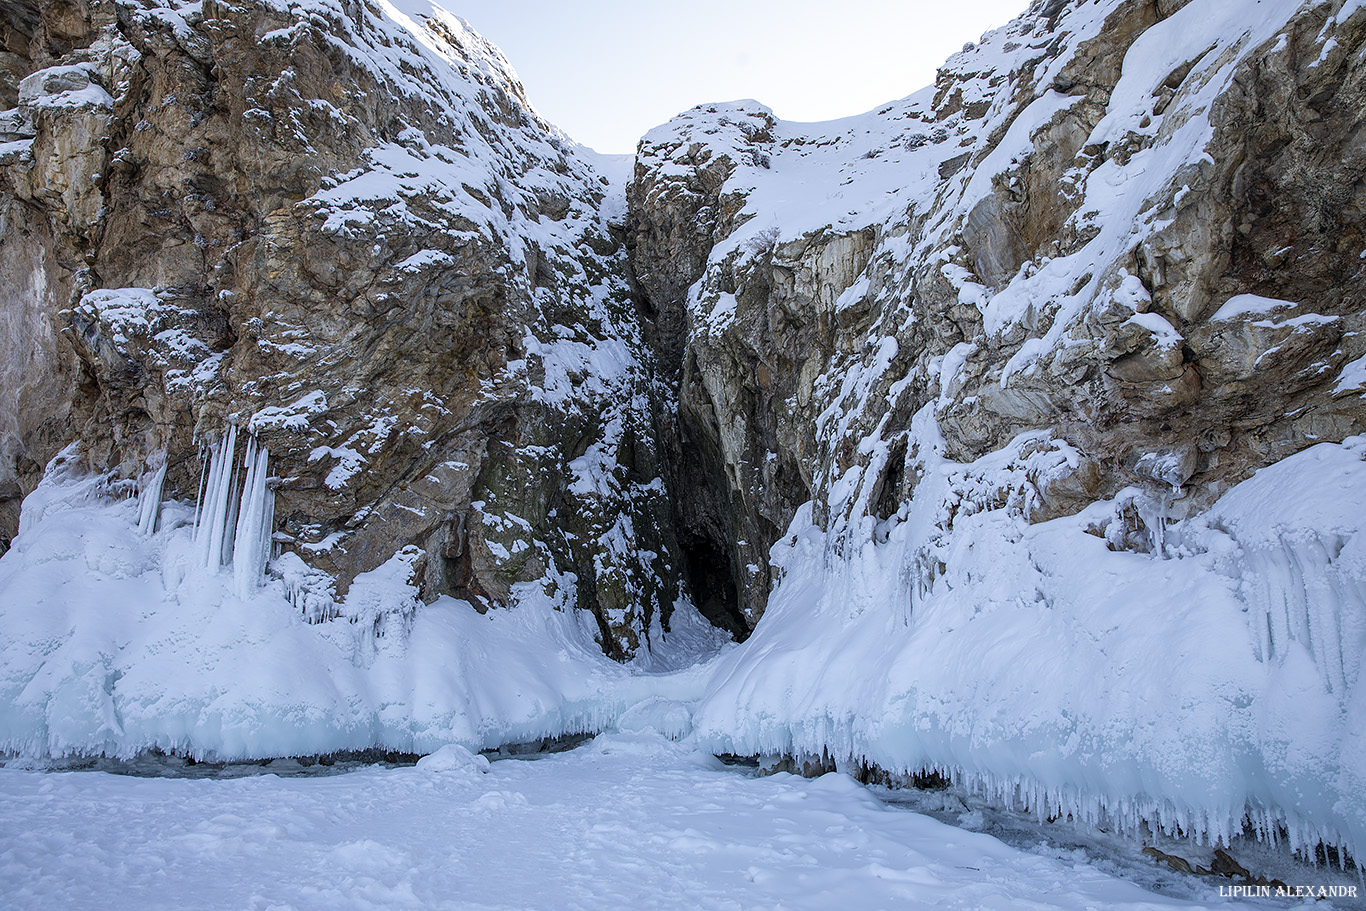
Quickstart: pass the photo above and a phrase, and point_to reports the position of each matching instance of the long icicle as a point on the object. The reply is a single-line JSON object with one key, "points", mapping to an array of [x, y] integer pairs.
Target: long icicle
{"points": [[218, 492], [149, 498], [234, 504], [199, 495], [251, 544]]}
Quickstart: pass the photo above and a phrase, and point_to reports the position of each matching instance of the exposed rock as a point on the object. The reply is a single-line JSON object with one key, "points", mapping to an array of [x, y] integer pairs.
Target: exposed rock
{"points": [[371, 255], [379, 261], [1179, 864], [1066, 248]]}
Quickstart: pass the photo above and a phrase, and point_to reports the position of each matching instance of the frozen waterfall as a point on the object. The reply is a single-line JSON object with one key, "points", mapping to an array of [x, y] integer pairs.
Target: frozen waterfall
{"points": [[233, 526], [149, 498], [256, 515]]}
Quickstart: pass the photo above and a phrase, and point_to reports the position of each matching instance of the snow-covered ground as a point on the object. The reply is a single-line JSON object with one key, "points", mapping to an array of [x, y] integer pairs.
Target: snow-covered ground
{"points": [[628, 821]]}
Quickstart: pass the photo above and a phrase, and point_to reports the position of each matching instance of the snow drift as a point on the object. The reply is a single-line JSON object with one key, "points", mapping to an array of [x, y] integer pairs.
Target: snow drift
{"points": [[1216, 676], [117, 641]]}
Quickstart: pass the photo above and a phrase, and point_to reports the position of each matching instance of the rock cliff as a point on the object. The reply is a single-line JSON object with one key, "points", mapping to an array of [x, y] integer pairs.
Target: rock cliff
{"points": [[346, 233], [1041, 390], [1148, 245], [1025, 411]]}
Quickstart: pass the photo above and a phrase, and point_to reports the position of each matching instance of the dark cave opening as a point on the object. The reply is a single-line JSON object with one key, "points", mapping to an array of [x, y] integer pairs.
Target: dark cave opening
{"points": [[711, 579], [887, 497]]}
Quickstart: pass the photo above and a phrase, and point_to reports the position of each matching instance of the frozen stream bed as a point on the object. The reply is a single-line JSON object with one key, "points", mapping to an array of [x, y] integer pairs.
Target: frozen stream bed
{"points": [[624, 821]]}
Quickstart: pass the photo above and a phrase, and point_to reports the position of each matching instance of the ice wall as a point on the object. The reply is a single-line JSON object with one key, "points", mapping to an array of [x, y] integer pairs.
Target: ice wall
{"points": [[116, 641]]}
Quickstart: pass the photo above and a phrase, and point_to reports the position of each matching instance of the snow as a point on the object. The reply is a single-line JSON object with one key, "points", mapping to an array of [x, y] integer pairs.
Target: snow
{"points": [[453, 758], [1161, 329], [349, 464], [120, 642], [1216, 676], [626, 821], [1352, 376], [1242, 305], [1037, 665], [294, 416], [64, 87]]}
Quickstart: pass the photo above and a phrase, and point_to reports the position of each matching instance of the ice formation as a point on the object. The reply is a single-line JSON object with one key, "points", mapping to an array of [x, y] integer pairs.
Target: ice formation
{"points": [[234, 522], [117, 643], [255, 523], [215, 518], [149, 498]]}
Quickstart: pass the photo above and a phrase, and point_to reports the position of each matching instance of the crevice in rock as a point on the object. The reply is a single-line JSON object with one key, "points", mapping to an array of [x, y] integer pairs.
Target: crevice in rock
{"points": [[458, 569], [588, 600], [887, 497], [704, 520], [711, 578]]}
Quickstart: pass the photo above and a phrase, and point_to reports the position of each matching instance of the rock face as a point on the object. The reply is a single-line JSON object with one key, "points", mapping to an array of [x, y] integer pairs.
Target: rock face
{"points": [[1149, 249], [1042, 390], [346, 233]]}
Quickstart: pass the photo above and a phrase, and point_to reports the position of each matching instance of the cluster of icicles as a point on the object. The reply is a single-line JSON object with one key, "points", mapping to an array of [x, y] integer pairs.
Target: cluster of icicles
{"points": [[233, 523]]}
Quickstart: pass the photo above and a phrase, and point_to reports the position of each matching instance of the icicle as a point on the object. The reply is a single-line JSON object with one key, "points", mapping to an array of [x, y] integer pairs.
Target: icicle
{"points": [[234, 505], [1155, 512], [199, 491], [233, 527], [149, 499], [214, 512], [255, 522]]}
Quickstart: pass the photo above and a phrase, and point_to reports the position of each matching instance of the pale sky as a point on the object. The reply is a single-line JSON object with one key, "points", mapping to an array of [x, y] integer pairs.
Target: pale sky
{"points": [[605, 71]]}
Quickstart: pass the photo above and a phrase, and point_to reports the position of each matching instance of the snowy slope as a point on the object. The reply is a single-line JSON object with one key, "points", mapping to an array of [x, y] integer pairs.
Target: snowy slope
{"points": [[118, 641], [1218, 676]]}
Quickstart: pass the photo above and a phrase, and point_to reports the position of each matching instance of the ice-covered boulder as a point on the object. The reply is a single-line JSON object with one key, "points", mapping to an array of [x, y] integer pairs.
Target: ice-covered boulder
{"points": [[453, 758]]}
